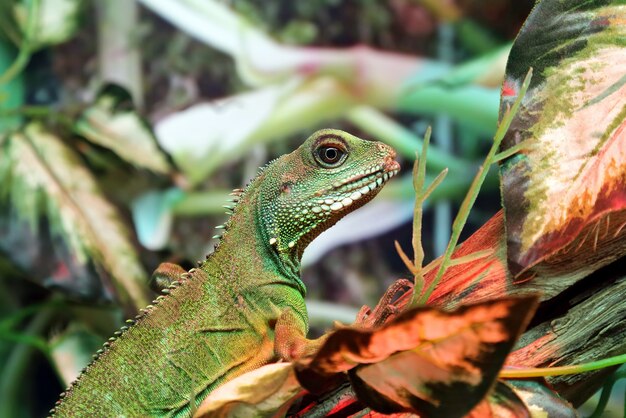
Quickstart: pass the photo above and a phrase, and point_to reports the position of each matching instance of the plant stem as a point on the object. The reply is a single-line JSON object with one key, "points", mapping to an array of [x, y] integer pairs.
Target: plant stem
{"points": [[473, 105], [470, 198], [606, 393], [510, 151], [12, 92], [24, 53], [442, 215], [562, 370], [118, 52], [37, 112], [419, 177]]}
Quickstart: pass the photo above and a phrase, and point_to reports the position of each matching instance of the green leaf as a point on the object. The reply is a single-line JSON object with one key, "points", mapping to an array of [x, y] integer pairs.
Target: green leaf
{"points": [[42, 176], [153, 217], [113, 123], [570, 172]]}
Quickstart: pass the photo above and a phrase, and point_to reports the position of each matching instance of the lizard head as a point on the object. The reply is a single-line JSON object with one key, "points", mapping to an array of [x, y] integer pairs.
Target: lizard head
{"points": [[331, 174]]}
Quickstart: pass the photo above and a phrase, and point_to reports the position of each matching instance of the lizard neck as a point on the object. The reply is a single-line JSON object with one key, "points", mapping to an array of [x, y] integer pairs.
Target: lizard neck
{"points": [[244, 251]]}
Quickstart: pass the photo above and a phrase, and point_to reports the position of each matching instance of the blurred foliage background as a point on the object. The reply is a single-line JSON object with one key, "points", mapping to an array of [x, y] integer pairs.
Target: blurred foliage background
{"points": [[124, 125]]}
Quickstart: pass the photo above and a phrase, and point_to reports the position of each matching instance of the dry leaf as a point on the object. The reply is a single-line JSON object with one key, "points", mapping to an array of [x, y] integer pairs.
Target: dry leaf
{"points": [[264, 392]]}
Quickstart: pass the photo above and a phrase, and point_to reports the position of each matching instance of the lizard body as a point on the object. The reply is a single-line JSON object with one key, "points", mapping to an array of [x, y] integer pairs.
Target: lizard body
{"points": [[244, 306]]}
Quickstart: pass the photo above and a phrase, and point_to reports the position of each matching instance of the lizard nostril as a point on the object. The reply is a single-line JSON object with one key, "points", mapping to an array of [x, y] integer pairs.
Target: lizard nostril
{"points": [[384, 148], [390, 157]]}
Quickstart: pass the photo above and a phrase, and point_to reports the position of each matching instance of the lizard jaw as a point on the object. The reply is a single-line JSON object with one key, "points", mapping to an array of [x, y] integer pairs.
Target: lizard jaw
{"points": [[345, 193]]}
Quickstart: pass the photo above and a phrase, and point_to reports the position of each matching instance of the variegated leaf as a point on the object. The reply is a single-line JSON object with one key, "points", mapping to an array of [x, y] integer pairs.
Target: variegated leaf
{"points": [[56, 20], [42, 176], [112, 122], [571, 170], [46, 260]]}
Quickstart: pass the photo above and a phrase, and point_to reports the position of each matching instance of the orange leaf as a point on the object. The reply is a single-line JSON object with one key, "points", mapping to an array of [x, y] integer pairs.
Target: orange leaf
{"points": [[425, 359]]}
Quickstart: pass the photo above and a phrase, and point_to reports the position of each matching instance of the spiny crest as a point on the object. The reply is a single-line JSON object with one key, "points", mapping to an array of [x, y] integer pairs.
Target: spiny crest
{"points": [[117, 334], [237, 195]]}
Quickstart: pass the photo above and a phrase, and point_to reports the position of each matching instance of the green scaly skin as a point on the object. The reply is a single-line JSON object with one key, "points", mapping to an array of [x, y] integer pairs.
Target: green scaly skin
{"points": [[244, 306]]}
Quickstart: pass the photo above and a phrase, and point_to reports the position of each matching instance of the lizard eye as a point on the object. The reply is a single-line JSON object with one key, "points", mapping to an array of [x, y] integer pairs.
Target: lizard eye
{"points": [[330, 156]]}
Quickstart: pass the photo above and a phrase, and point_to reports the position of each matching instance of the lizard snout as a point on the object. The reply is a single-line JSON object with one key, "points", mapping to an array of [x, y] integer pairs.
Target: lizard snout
{"points": [[390, 163]]}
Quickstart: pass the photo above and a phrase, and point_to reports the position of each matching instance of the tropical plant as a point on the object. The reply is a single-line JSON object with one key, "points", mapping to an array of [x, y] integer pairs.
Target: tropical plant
{"points": [[98, 187]]}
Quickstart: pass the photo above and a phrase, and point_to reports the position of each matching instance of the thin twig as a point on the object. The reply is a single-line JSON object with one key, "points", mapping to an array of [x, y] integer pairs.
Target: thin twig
{"points": [[470, 198], [562, 370], [419, 176], [436, 182], [510, 151], [405, 258], [471, 257]]}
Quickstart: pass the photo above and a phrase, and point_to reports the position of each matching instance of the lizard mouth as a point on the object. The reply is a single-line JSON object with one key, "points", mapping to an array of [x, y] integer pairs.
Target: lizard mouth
{"points": [[372, 178], [352, 189]]}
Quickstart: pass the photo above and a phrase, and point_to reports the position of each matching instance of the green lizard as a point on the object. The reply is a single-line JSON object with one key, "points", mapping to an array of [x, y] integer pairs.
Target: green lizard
{"points": [[244, 306]]}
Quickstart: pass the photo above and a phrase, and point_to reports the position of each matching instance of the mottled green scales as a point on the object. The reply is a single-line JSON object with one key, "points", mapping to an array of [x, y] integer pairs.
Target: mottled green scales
{"points": [[244, 306]]}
